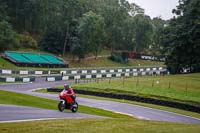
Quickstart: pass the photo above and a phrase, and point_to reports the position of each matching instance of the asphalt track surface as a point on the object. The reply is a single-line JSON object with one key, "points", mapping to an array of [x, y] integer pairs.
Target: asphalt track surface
{"points": [[10, 113], [129, 109]]}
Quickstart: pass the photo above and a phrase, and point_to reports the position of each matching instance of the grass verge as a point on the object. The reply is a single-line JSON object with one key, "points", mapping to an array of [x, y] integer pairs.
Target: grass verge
{"points": [[98, 126], [178, 88]]}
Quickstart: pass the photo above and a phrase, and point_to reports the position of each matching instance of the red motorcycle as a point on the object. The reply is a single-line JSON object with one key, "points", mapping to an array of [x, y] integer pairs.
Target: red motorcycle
{"points": [[67, 102]]}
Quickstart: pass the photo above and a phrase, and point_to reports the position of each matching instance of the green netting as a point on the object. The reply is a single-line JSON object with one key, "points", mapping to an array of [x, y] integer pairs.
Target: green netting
{"points": [[34, 58], [17, 56], [52, 59]]}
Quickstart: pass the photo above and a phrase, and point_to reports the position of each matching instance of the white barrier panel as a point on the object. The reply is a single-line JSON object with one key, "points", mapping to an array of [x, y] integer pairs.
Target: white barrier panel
{"points": [[154, 69], [99, 76], [77, 77], [148, 69], [26, 79], [127, 70], [38, 72], [158, 72], [134, 70], [135, 74], [109, 75], [10, 79], [118, 75], [65, 78], [64, 72], [141, 70], [88, 76], [6, 72], [84, 71], [51, 79], [160, 68], [143, 73], [119, 70], [94, 71], [23, 72], [103, 71], [112, 71], [127, 74], [73, 72]]}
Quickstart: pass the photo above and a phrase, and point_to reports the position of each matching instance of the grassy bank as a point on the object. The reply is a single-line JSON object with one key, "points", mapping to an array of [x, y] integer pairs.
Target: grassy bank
{"points": [[99, 62], [105, 62], [98, 126], [183, 88]]}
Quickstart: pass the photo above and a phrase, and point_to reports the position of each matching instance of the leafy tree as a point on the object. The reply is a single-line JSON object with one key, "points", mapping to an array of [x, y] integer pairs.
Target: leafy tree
{"points": [[52, 42], [92, 33], [8, 38], [143, 33], [156, 47], [182, 42], [76, 48]]}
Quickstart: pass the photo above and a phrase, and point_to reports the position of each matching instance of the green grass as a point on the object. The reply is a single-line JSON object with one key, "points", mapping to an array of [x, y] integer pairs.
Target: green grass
{"points": [[105, 62], [98, 126], [99, 62], [183, 88], [32, 101]]}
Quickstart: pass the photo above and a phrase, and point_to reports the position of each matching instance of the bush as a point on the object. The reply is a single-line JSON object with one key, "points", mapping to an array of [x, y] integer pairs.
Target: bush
{"points": [[27, 41], [9, 39]]}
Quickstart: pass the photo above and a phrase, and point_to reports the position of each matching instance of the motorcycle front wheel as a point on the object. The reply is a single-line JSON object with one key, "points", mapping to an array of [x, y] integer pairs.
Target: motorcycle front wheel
{"points": [[61, 106], [74, 108]]}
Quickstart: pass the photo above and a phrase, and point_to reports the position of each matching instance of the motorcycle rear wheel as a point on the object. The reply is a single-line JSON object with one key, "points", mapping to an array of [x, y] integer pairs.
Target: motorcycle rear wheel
{"points": [[61, 106]]}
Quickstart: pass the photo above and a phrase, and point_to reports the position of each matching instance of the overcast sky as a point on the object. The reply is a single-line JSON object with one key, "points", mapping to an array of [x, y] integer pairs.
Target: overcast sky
{"points": [[155, 8]]}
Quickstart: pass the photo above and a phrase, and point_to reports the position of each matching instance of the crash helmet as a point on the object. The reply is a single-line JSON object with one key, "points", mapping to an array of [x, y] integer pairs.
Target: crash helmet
{"points": [[66, 86]]}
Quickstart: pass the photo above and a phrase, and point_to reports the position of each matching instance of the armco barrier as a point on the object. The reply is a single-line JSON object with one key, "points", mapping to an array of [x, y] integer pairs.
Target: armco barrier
{"points": [[17, 79], [104, 74], [173, 104], [79, 71]]}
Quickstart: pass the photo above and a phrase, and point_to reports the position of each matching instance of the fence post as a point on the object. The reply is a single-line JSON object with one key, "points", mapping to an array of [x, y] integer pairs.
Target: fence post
{"points": [[137, 83], [123, 81], [109, 80], [169, 85], [186, 88], [152, 83]]}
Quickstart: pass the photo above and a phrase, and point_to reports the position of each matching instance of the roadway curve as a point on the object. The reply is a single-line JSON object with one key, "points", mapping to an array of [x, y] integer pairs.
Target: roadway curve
{"points": [[130, 109]]}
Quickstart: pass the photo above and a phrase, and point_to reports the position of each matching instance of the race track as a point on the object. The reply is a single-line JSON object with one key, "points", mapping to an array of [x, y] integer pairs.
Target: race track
{"points": [[12, 113], [129, 109]]}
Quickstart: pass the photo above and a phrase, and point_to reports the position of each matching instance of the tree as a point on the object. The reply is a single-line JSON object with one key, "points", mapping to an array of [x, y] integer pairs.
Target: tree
{"points": [[156, 47], [8, 38], [76, 48], [91, 32], [52, 42], [182, 42], [143, 33]]}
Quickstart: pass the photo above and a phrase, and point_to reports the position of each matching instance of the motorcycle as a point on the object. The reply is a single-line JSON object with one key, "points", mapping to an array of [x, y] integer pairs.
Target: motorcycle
{"points": [[67, 102]]}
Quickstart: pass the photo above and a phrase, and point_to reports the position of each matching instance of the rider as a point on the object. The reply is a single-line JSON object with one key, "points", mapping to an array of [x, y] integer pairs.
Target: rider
{"points": [[70, 91]]}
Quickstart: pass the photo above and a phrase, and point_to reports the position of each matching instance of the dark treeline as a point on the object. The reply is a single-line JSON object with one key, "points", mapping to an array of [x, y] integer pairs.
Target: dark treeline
{"points": [[87, 26], [79, 26]]}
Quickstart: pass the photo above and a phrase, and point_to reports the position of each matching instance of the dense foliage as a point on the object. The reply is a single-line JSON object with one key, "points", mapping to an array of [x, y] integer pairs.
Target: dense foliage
{"points": [[182, 37], [78, 26], [86, 26]]}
